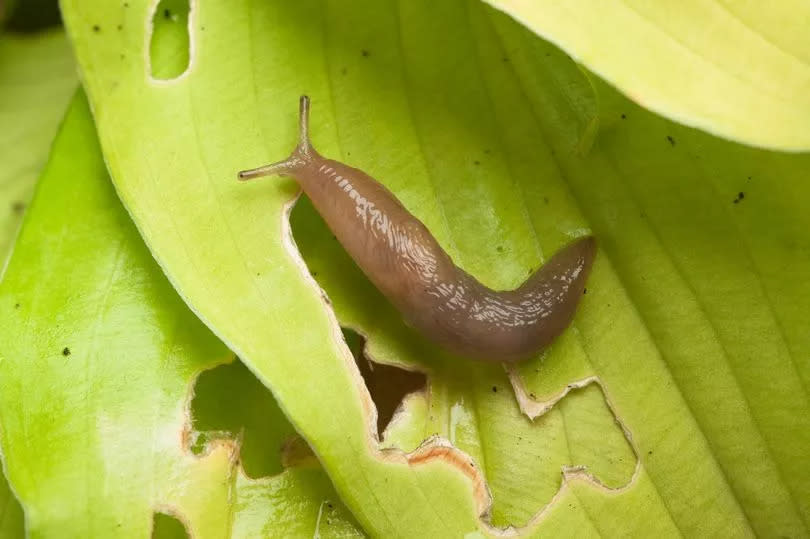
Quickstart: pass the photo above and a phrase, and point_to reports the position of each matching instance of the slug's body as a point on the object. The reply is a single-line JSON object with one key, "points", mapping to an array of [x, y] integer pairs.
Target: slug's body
{"points": [[401, 257]]}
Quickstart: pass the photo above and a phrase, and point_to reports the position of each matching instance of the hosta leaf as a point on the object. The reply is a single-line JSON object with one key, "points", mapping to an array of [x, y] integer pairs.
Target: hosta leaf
{"points": [[689, 417], [96, 367], [37, 77], [737, 69]]}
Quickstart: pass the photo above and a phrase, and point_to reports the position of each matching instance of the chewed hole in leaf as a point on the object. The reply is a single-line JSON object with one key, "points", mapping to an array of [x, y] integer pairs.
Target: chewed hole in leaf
{"points": [[170, 46], [296, 453], [332, 268], [387, 384], [166, 526], [579, 435], [229, 402]]}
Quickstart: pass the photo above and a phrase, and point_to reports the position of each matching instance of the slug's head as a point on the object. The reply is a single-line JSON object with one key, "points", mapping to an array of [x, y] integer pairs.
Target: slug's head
{"points": [[302, 154]]}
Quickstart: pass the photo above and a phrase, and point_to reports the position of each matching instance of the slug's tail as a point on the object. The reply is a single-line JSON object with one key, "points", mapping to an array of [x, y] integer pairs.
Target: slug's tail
{"points": [[565, 274], [302, 154], [570, 265]]}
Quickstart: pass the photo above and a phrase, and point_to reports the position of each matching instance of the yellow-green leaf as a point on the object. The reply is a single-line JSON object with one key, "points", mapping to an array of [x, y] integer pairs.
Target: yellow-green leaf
{"points": [[740, 70]]}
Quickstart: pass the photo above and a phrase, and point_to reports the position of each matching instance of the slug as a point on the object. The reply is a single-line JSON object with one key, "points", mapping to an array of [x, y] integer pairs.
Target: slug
{"points": [[401, 257]]}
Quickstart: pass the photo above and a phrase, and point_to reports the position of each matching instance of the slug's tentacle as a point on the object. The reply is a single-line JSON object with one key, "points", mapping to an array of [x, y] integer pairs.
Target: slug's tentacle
{"points": [[401, 257], [302, 153]]}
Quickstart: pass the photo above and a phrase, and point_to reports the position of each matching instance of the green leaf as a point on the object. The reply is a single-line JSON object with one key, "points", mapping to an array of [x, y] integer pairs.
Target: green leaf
{"points": [[37, 75], [96, 369], [37, 78], [682, 386], [740, 70]]}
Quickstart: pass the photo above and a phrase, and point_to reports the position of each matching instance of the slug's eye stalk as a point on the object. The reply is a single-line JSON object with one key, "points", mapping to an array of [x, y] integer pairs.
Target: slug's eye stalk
{"points": [[300, 156], [303, 125]]}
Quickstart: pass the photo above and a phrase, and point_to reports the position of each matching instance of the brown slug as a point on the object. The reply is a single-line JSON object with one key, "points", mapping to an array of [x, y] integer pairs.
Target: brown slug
{"points": [[401, 257]]}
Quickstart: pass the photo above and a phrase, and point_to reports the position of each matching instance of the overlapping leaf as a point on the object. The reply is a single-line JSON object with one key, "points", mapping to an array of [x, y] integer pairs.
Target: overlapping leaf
{"points": [[37, 77], [737, 69], [96, 368]]}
